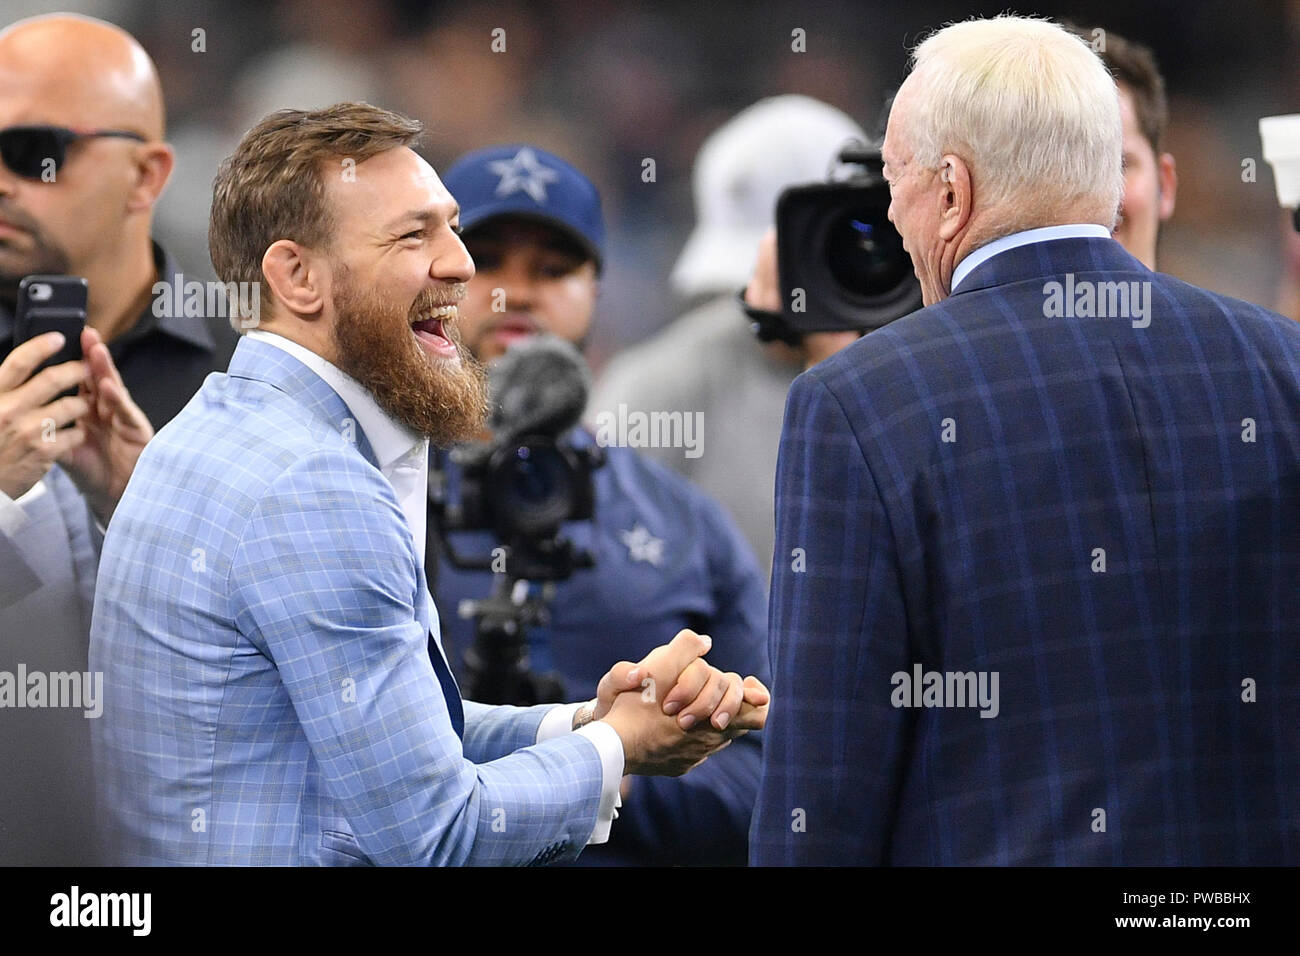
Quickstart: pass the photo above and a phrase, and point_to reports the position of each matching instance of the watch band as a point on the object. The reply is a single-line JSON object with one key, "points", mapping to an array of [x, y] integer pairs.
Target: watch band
{"points": [[584, 715]]}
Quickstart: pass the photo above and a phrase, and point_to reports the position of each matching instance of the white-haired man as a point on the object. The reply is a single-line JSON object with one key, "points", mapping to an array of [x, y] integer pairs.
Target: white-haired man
{"points": [[1045, 611]]}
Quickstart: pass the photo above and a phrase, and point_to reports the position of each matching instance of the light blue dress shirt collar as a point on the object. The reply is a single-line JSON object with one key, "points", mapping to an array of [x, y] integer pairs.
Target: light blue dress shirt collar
{"points": [[984, 253]]}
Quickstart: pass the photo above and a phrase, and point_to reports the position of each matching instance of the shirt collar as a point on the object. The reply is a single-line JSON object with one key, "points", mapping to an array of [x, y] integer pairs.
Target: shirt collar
{"points": [[391, 441], [986, 252]]}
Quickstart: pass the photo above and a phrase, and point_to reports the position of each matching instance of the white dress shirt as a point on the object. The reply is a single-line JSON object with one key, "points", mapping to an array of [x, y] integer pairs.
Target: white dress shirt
{"points": [[403, 457], [1088, 230]]}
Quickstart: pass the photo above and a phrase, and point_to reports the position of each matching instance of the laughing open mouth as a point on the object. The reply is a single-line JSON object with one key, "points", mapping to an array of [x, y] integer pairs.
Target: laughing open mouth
{"points": [[431, 334]]}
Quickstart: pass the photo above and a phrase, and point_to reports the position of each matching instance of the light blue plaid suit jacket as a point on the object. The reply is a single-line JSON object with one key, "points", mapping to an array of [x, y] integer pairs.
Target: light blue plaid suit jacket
{"points": [[261, 620]]}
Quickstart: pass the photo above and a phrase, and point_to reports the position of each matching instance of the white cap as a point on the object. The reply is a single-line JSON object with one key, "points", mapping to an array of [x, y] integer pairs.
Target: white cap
{"points": [[740, 171], [1280, 136]]}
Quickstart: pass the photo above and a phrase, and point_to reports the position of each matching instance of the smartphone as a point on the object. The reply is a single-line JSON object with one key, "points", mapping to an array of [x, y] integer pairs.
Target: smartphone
{"points": [[52, 304]]}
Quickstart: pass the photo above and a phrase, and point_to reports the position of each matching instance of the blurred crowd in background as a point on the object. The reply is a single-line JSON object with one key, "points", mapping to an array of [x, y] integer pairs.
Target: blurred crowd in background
{"points": [[609, 85]]}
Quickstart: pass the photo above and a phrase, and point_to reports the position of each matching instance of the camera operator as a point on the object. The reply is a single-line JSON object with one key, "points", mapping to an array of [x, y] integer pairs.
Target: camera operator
{"points": [[708, 358], [763, 294], [665, 555]]}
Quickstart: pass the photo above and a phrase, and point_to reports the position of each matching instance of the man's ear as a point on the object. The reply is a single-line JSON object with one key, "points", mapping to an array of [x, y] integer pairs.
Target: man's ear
{"points": [[1167, 172], [153, 167], [296, 279], [954, 196]]}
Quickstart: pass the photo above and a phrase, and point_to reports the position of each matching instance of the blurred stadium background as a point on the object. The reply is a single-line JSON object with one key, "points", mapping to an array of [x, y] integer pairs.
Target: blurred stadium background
{"points": [[608, 84]]}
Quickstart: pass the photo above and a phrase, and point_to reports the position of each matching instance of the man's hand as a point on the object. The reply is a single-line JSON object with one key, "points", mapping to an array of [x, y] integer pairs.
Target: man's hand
{"points": [[690, 687], [115, 429], [764, 288], [32, 435], [654, 745], [655, 725]]}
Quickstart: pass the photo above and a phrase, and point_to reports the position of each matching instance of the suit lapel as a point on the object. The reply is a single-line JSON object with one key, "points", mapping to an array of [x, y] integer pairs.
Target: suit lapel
{"points": [[261, 362]]}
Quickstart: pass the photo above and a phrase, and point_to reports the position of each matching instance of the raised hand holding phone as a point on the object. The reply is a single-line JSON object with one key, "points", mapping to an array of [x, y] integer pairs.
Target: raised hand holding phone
{"points": [[115, 431], [33, 416]]}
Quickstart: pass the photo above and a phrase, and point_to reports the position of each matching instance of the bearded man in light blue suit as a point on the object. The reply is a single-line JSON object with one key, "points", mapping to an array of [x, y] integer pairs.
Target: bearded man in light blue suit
{"points": [[262, 618]]}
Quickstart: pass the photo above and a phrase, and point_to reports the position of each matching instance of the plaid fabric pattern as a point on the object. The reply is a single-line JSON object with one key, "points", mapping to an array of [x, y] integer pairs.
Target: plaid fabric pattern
{"points": [[1106, 515], [261, 619]]}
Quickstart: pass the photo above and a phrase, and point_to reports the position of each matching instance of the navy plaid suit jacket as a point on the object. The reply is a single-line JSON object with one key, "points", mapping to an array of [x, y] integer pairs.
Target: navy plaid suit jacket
{"points": [[1102, 527]]}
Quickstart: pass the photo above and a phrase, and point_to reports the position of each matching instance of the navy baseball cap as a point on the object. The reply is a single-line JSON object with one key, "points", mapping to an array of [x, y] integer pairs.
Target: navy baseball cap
{"points": [[530, 183]]}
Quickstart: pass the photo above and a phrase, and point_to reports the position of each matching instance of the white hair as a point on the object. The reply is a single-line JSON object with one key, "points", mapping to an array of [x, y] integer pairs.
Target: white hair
{"points": [[1030, 107]]}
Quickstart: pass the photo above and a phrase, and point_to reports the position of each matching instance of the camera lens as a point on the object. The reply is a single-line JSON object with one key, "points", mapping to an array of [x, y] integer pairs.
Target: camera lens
{"points": [[865, 254], [534, 484]]}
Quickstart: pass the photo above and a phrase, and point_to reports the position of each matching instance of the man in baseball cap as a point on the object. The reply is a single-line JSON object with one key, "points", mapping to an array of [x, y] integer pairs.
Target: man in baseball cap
{"points": [[534, 227], [666, 555]]}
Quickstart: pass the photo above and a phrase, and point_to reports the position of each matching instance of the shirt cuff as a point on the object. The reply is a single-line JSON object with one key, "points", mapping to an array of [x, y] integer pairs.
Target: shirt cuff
{"points": [[557, 722], [610, 746]]}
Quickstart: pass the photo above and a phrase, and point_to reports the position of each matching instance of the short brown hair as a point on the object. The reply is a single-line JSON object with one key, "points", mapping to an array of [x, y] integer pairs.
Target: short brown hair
{"points": [[1133, 65], [271, 187]]}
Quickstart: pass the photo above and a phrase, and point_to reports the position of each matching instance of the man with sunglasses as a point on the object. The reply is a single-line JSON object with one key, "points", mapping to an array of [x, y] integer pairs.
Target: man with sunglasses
{"points": [[82, 163]]}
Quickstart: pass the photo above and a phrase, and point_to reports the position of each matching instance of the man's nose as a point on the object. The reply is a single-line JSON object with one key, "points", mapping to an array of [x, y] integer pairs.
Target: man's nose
{"points": [[8, 181], [453, 262], [518, 286]]}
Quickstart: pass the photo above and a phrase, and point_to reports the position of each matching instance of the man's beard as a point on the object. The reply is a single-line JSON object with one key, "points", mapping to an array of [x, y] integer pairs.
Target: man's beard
{"points": [[45, 257], [373, 342]]}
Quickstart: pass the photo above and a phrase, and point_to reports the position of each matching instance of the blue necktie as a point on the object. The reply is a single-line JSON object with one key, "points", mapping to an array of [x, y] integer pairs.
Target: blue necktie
{"points": [[450, 692]]}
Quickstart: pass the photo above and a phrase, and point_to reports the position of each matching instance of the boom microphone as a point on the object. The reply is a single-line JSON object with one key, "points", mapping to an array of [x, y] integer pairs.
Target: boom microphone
{"points": [[539, 387]]}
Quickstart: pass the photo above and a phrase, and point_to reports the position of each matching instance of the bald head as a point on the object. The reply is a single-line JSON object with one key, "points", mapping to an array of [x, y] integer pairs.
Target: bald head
{"points": [[76, 71], [89, 211]]}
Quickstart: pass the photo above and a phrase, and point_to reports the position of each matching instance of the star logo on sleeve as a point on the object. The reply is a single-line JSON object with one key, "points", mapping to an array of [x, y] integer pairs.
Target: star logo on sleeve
{"points": [[525, 172], [643, 546]]}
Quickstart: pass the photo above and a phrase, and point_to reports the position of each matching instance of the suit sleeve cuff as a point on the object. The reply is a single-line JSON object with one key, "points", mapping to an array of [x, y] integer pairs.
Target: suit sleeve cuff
{"points": [[12, 514]]}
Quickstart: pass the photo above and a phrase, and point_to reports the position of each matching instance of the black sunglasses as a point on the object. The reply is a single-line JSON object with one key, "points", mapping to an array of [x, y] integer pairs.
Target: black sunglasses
{"points": [[25, 149]]}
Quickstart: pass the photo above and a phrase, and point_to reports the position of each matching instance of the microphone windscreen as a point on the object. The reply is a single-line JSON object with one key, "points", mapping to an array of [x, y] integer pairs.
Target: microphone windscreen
{"points": [[539, 386]]}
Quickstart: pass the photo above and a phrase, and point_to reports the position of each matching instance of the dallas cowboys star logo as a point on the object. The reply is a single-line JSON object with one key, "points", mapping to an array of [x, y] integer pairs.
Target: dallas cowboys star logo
{"points": [[524, 172], [643, 546]]}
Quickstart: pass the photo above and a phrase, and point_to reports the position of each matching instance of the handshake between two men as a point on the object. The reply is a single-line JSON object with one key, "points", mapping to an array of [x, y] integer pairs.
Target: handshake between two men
{"points": [[673, 710]]}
